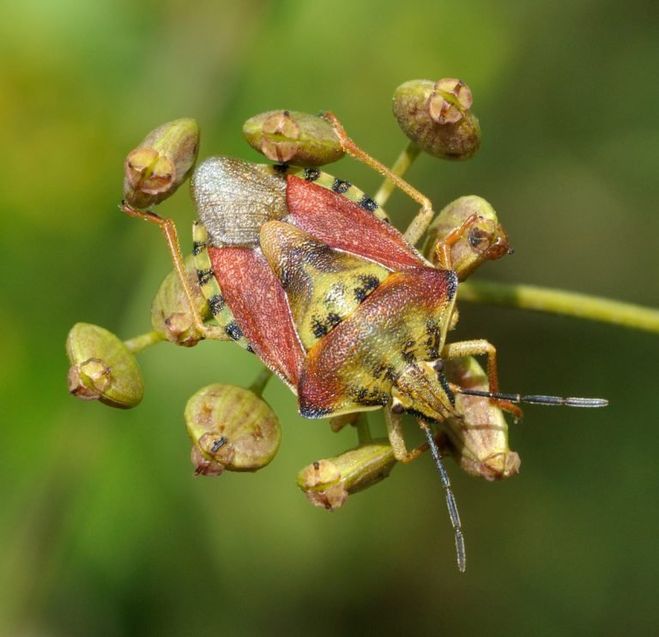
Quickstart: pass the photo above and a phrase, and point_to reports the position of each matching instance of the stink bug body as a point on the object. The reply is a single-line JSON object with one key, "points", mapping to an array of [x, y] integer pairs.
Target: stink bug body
{"points": [[307, 272], [328, 294]]}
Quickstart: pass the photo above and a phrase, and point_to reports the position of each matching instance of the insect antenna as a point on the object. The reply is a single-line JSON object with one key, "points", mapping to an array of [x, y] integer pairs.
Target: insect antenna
{"points": [[451, 504], [531, 399]]}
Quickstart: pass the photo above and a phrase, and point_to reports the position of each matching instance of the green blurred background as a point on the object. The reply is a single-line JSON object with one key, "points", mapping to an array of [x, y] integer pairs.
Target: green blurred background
{"points": [[104, 531]]}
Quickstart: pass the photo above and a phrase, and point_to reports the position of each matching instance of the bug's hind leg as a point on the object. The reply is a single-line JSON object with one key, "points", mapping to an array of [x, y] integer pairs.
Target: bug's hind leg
{"points": [[420, 223], [168, 228]]}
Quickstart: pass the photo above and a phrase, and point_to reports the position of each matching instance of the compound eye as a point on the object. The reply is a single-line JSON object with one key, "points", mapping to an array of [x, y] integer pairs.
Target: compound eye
{"points": [[438, 365], [479, 239]]}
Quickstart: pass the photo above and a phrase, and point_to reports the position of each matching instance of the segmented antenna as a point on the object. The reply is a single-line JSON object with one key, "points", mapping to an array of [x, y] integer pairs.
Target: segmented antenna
{"points": [[531, 399], [450, 499]]}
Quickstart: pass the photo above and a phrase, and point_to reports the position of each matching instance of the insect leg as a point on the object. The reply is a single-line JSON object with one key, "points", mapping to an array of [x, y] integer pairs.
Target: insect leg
{"points": [[443, 246], [481, 347], [420, 223], [395, 432], [171, 236]]}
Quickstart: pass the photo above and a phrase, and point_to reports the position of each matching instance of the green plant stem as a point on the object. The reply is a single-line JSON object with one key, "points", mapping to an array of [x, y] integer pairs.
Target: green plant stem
{"points": [[530, 297], [584, 306], [400, 167], [138, 343], [363, 430], [258, 386]]}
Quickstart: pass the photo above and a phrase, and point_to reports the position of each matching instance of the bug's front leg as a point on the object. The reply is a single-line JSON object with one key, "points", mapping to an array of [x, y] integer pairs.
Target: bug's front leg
{"points": [[420, 223], [442, 249], [396, 438], [481, 347]]}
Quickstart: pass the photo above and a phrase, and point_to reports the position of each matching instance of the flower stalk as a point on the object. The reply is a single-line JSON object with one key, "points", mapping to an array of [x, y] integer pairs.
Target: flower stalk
{"points": [[532, 297], [142, 341], [555, 301]]}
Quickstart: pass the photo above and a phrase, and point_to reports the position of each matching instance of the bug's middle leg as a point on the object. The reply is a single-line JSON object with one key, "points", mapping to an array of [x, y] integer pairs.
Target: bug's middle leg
{"points": [[420, 223]]}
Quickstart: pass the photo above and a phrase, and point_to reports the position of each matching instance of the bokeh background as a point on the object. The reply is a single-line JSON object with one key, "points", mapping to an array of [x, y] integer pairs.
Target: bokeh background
{"points": [[104, 531]]}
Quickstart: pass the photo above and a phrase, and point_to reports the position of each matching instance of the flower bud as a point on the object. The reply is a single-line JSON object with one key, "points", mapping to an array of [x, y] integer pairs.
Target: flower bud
{"points": [[161, 163], [231, 428], [437, 117], [328, 482], [102, 368], [479, 439], [170, 310], [291, 137], [483, 240]]}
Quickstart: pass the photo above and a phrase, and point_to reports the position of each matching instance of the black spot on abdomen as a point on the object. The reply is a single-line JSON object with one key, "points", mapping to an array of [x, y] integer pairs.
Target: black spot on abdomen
{"points": [[311, 174], [233, 330], [368, 204], [341, 186]]}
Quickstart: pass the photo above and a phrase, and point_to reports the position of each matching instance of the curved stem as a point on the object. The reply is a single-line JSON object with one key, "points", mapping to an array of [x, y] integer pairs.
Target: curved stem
{"points": [[530, 297], [261, 381], [138, 343], [400, 167], [584, 306]]}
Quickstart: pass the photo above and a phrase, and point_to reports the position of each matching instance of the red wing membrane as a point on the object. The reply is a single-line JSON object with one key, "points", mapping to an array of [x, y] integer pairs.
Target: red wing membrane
{"points": [[341, 223], [259, 305]]}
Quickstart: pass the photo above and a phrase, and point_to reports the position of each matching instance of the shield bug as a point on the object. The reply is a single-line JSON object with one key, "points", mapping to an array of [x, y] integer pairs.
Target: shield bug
{"points": [[306, 271]]}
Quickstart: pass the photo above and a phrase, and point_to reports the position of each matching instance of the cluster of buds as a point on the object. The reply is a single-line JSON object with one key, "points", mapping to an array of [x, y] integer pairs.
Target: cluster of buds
{"points": [[435, 116], [232, 428]]}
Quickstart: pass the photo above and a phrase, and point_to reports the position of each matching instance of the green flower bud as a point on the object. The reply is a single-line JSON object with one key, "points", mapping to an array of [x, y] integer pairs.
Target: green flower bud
{"points": [[170, 311], [161, 163], [102, 368], [291, 137], [437, 117], [328, 482], [231, 428], [483, 240], [479, 439]]}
